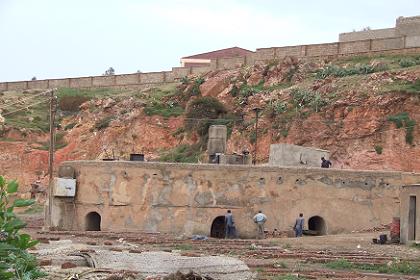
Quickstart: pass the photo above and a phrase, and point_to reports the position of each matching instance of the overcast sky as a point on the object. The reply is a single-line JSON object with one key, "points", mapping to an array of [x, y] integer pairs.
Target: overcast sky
{"points": [[72, 38]]}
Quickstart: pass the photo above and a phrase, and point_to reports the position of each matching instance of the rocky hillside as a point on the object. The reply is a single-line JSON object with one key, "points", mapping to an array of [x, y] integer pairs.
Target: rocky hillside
{"points": [[365, 110]]}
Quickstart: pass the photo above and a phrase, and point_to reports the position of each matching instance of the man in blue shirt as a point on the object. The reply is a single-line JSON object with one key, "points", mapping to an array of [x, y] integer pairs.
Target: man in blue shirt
{"points": [[230, 225], [300, 222], [260, 220]]}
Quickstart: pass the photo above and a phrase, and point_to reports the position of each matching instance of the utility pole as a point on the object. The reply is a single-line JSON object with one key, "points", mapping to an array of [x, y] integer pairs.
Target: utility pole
{"points": [[52, 113], [257, 111]]}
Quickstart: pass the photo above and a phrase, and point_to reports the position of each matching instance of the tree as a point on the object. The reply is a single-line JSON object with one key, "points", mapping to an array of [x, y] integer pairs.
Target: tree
{"points": [[15, 262], [33, 78], [109, 72]]}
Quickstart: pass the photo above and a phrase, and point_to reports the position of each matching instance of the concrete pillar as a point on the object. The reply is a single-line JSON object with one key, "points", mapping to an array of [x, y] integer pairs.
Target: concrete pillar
{"points": [[217, 139]]}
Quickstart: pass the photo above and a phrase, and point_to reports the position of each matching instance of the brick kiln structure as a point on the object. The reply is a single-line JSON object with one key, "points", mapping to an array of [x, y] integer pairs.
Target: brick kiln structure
{"points": [[192, 198]]}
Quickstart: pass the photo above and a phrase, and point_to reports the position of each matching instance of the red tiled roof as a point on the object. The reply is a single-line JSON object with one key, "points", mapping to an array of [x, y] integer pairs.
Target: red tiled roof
{"points": [[224, 53]]}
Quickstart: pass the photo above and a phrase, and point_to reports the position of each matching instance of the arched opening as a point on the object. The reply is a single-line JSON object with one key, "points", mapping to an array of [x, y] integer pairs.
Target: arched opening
{"points": [[218, 229], [318, 225], [93, 221]]}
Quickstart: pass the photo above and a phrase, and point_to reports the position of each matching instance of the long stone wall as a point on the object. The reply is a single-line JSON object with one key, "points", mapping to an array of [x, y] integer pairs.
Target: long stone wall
{"points": [[187, 198], [395, 45]]}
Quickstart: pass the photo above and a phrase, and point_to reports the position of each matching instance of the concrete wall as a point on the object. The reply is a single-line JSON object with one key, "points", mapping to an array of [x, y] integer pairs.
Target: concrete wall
{"points": [[408, 26], [186, 198], [408, 214], [367, 34], [293, 155]]}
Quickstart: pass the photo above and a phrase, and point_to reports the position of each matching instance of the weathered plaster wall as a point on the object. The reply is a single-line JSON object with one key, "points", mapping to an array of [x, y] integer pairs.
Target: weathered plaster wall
{"points": [[186, 198], [294, 155]]}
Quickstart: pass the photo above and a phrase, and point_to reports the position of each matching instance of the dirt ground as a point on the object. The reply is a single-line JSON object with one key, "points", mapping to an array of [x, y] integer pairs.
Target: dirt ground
{"points": [[271, 258]]}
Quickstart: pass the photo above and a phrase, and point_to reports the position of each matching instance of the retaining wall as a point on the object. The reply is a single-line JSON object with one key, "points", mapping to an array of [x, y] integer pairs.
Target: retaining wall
{"points": [[186, 198]]}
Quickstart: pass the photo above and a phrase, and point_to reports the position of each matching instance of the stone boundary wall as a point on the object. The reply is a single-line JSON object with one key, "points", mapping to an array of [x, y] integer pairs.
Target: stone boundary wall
{"points": [[394, 45]]}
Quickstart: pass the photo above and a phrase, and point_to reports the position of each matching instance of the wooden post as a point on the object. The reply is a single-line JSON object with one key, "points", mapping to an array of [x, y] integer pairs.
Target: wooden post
{"points": [[51, 158]]}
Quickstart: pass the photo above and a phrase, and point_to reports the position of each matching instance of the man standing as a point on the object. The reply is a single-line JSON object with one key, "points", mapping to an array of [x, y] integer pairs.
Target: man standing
{"points": [[300, 221], [260, 220], [230, 225], [325, 163]]}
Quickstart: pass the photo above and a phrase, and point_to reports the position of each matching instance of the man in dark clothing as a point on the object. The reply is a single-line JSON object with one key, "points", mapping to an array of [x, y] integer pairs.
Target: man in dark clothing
{"points": [[299, 225], [325, 163], [230, 225]]}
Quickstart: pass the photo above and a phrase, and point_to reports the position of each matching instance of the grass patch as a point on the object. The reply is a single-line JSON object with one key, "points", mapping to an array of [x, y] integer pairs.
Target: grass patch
{"points": [[409, 61], [403, 120], [166, 110], [280, 264], [59, 142], [34, 209], [183, 247], [403, 87], [70, 126], [104, 122], [403, 267], [183, 153], [378, 149], [288, 277], [5, 139], [302, 98], [337, 71]]}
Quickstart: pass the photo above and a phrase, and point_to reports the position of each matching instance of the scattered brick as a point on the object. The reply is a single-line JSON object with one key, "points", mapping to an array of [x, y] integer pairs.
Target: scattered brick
{"points": [[67, 265], [136, 251], [87, 251], [91, 243], [45, 262], [43, 240], [116, 249], [108, 243]]}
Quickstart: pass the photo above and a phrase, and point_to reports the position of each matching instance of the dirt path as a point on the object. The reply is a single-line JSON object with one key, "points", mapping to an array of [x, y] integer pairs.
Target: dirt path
{"points": [[271, 258]]}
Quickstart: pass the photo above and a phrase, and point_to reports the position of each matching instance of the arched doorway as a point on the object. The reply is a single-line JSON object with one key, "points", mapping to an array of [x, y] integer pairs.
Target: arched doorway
{"points": [[218, 227], [93, 221], [317, 223]]}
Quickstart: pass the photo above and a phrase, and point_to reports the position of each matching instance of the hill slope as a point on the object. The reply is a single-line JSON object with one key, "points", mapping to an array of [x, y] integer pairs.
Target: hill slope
{"points": [[363, 109]]}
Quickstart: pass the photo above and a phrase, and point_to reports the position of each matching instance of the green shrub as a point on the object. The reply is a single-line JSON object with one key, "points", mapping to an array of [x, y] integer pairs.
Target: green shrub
{"points": [[252, 137], [15, 261], [166, 110], [378, 149], [70, 126], [246, 90], [196, 86], [408, 62], [70, 100], [337, 71], [104, 123], [302, 98], [182, 153], [234, 91], [203, 112], [403, 267], [276, 107], [403, 120], [185, 80]]}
